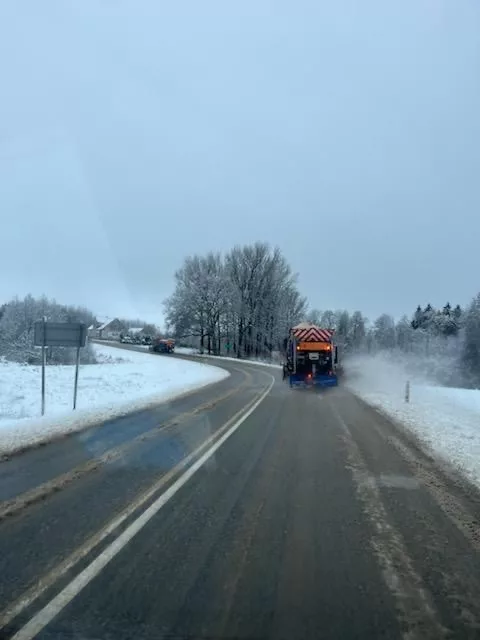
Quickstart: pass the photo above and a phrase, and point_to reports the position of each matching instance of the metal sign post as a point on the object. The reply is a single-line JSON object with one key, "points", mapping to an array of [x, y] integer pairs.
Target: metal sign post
{"points": [[60, 334], [75, 385], [44, 357]]}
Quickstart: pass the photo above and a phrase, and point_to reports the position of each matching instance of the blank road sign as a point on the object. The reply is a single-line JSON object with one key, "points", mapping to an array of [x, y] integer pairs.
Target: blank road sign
{"points": [[60, 334]]}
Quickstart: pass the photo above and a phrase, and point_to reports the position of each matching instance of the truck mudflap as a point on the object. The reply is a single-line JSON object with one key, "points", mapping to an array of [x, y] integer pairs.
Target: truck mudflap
{"points": [[313, 381]]}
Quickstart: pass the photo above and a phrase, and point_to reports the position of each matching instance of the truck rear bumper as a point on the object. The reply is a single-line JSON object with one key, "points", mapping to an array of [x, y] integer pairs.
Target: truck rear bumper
{"points": [[317, 381]]}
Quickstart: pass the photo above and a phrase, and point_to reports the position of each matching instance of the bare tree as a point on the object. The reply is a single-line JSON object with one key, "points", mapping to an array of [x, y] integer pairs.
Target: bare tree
{"points": [[242, 304], [314, 316]]}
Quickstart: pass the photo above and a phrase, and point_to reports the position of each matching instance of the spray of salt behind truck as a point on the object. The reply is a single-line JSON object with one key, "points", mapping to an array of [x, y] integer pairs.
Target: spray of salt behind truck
{"points": [[311, 356]]}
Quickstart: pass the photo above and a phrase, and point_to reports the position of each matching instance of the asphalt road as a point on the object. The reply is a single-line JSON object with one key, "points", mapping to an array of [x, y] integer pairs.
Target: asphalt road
{"points": [[245, 510]]}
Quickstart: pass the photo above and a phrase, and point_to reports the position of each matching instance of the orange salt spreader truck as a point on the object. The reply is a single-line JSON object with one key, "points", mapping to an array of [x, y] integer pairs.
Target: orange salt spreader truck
{"points": [[311, 356]]}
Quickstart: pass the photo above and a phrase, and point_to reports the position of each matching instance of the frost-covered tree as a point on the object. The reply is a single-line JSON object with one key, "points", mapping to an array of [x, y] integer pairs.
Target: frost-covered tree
{"points": [[357, 331], [343, 328], [242, 304], [447, 321], [405, 334], [266, 302], [370, 340], [329, 319], [314, 316], [149, 329], [17, 330], [186, 309], [384, 332], [471, 346], [436, 329]]}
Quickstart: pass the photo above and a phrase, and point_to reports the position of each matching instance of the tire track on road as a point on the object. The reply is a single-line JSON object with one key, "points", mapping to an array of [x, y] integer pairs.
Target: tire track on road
{"points": [[414, 602]]}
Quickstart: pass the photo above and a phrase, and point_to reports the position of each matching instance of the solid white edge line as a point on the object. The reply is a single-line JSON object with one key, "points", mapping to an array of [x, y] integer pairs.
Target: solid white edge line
{"points": [[55, 606], [48, 580]]}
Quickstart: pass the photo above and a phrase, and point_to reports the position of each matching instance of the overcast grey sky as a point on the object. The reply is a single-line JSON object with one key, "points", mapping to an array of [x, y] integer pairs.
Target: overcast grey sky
{"points": [[134, 133]]}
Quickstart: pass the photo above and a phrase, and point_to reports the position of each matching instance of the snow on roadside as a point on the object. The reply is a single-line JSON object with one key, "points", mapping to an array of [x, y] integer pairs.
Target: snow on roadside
{"points": [[259, 363], [446, 419], [187, 351], [122, 382]]}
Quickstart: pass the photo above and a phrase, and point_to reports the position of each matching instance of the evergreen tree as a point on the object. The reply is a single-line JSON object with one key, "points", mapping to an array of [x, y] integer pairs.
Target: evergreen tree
{"points": [[417, 318], [445, 323]]}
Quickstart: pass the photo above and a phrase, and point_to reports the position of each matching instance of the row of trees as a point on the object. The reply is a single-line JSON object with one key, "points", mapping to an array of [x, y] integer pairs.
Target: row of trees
{"points": [[448, 339], [242, 303], [17, 319], [357, 333], [444, 343], [440, 322]]}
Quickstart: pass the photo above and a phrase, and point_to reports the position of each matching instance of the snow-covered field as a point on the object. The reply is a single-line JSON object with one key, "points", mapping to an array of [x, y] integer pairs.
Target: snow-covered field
{"points": [[124, 381], [446, 419]]}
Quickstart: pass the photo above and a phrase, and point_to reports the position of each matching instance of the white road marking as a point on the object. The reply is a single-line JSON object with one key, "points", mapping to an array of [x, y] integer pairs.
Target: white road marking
{"points": [[45, 582], [55, 606]]}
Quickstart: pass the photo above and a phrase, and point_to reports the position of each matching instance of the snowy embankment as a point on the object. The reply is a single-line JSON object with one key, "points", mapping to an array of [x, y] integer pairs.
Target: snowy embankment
{"points": [[446, 419], [122, 382]]}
